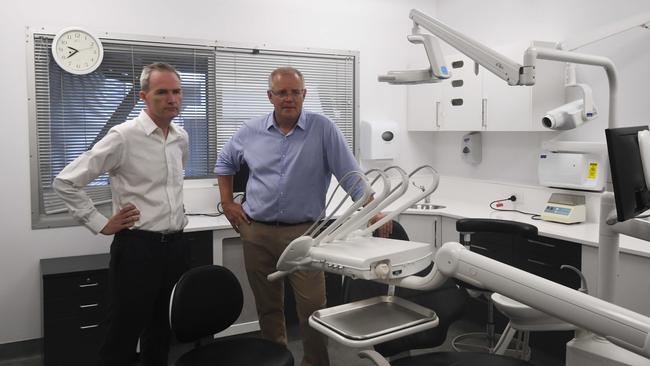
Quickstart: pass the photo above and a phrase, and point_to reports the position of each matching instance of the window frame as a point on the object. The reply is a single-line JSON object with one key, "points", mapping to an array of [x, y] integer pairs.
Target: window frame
{"points": [[41, 220]]}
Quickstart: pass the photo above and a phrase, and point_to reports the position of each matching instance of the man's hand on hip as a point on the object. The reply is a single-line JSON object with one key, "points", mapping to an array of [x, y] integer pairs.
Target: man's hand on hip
{"points": [[235, 214], [124, 219]]}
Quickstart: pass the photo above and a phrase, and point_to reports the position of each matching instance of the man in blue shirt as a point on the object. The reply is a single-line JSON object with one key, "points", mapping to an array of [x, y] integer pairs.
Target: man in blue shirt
{"points": [[292, 154]]}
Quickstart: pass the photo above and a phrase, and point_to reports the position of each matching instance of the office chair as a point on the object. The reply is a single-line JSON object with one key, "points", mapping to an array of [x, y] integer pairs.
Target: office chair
{"points": [[207, 300], [447, 301]]}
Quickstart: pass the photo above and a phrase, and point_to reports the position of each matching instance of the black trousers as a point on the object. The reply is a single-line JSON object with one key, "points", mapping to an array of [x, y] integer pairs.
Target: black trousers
{"points": [[142, 272]]}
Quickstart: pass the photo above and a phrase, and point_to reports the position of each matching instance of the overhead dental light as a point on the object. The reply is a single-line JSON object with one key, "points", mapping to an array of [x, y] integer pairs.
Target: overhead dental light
{"points": [[434, 74]]}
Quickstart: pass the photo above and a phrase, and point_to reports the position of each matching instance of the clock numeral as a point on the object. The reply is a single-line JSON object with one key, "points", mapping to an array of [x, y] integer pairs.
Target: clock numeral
{"points": [[77, 35]]}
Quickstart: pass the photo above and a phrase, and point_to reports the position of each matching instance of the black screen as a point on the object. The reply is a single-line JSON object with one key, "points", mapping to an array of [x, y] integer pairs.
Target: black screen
{"points": [[630, 191]]}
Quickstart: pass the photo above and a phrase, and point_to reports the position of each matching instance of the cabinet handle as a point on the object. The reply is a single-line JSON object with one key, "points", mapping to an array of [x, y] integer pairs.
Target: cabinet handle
{"points": [[88, 306], [84, 327], [484, 112], [548, 245], [478, 247], [540, 263], [89, 285], [438, 114]]}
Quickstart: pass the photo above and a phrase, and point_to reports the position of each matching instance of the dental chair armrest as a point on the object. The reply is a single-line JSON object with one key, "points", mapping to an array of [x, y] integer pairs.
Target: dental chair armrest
{"points": [[375, 357]]}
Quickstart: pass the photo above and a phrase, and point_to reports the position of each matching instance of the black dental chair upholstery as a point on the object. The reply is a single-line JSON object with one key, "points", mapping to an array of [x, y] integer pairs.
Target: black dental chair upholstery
{"points": [[207, 300]]}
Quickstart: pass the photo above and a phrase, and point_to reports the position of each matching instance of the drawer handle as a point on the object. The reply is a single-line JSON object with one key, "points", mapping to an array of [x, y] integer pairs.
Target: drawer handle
{"points": [[479, 247], [540, 263], [84, 327], [542, 244], [88, 306], [89, 284]]}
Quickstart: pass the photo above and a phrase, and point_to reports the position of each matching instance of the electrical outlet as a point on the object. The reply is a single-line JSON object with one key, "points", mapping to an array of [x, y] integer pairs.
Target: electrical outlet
{"points": [[519, 201]]}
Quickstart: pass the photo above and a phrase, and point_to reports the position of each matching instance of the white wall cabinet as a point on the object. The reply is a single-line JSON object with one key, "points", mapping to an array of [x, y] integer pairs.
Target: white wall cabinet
{"points": [[474, 99]]}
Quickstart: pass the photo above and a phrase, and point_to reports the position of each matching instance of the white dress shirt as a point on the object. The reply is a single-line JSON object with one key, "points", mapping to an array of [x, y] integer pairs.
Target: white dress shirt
{"points": [[144, 169]]}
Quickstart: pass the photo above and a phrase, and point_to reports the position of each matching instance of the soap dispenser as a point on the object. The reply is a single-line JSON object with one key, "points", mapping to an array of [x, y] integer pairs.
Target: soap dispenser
{"points": [[471, 148]]}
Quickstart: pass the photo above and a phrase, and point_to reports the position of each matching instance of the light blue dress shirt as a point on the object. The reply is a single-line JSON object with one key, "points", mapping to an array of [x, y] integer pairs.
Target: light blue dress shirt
{"points": [[289, 175]]}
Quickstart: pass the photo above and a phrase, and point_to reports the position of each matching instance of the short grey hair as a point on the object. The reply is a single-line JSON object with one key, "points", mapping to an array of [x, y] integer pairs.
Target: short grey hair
{"points": [[285, 70], [156, 66]]}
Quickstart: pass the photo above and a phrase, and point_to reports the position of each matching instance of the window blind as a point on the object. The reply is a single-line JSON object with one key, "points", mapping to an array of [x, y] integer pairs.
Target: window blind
{"points": [[73, 112], [242, 81]]}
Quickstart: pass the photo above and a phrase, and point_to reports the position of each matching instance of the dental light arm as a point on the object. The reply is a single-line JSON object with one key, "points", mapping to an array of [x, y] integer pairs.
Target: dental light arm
{"points": [[619, 325], [500, 65]]}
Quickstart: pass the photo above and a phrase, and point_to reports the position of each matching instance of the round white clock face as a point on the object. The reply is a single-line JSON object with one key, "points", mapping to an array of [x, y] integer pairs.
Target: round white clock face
{"points": [[77, 51]]}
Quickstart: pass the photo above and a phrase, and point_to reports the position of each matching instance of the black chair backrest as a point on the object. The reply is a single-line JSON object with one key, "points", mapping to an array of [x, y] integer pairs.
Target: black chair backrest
{"points": [[496, 226], [205, 301]]}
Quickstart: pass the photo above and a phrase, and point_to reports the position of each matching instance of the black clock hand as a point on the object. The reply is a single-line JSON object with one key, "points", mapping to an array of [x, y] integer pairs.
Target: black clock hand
{"points": [[75, 51]]}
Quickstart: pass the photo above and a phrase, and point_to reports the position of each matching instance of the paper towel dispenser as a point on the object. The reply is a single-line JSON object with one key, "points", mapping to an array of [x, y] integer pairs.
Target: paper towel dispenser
{"points": [[379, 140]]}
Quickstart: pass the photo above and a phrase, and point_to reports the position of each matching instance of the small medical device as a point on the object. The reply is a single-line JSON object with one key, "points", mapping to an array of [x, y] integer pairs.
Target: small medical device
{"points": [[575, 170], [565, 208]]}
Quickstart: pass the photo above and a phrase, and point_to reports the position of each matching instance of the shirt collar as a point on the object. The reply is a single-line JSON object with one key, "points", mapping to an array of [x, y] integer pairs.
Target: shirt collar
{"points": [[270, 120], [149, 126]]}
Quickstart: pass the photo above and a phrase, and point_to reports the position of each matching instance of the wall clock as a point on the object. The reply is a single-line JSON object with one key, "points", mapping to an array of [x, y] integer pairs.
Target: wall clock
{"points": [[77, 51]]}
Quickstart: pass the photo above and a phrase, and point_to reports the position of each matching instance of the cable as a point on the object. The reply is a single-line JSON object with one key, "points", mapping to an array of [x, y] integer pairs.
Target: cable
{"points": [[513, 198]]}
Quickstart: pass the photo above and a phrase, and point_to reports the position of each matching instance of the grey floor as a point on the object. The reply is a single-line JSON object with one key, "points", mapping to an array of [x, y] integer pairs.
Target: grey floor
{"points": [[340, 355]]}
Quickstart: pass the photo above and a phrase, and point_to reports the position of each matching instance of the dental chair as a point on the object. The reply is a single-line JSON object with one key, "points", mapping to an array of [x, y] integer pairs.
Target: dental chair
{"points": [[207, 300]]}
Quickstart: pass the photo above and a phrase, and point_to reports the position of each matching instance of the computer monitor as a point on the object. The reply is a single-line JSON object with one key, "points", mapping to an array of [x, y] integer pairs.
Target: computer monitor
{"points": [[630, 191], [241, 178]]}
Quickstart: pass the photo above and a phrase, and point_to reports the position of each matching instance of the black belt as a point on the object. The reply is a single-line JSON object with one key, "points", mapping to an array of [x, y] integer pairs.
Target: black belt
{"points": [[280, 223], [154, 236]]}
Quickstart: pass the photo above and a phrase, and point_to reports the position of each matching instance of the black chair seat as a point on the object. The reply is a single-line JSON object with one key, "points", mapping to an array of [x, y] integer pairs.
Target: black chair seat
{"points": [[238, 352], [460, 359]]}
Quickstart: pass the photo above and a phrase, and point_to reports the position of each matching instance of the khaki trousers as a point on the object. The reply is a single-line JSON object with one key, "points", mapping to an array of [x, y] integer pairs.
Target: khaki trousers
{"points": [[263, 245]]}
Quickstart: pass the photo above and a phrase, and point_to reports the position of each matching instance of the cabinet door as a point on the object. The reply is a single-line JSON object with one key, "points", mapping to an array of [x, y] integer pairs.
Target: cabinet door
{"points": [[448, 231], [423, 102], [461, 100], [506, 108], [422, 228]]}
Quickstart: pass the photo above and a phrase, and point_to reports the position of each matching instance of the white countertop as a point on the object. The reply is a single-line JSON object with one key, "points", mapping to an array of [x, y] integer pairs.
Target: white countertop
{"points": [[468, 204]]}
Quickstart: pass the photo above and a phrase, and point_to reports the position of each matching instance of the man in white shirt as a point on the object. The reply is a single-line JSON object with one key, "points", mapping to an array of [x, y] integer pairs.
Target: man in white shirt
{"points": [[144, 158]]}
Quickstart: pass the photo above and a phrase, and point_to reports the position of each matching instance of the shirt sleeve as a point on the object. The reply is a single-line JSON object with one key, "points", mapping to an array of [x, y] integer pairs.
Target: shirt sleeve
{"points": [[69, 183], [231, 155], [341, 161]]}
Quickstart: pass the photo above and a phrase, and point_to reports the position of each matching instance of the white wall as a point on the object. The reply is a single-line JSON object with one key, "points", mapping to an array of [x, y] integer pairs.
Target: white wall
{"points": [[376, 28], [513, 156]]}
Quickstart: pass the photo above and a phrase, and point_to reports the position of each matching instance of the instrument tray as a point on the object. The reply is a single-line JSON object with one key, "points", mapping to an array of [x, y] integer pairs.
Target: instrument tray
{"points": [[375, 318]]}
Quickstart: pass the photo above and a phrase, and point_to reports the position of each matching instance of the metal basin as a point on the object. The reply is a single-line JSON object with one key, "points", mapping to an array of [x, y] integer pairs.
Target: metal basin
{"points": [[426, 206]]}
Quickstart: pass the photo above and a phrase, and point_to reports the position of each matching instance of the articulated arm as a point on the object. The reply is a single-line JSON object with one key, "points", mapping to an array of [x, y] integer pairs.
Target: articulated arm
{"points": [[619, 325]]}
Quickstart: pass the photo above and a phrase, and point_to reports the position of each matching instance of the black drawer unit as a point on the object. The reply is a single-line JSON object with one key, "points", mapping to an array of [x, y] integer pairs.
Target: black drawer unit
{"points": [[74, 306], [75, 301], [541, 256]]}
